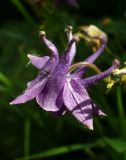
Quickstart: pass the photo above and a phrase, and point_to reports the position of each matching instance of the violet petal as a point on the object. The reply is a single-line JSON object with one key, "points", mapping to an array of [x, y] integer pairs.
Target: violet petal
{"points": [[97, 111], [78, 102], [80, 71], [50, 45], [94, 79], [29, 94], [73, 48], [47, 97], [37, 61]]}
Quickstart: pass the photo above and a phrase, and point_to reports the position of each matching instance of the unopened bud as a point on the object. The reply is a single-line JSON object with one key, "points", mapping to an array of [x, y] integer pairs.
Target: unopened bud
{"points": [[42, 33], [68, 28], [76, 38], [116, 63], [93, 32]]}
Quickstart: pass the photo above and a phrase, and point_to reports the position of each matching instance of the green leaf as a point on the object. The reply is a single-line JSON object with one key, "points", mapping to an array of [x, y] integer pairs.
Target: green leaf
{"points": [[14, 35], [18, 4], [117, 144], [4, 89], [5, 80], [59, 150], [27, 128]]}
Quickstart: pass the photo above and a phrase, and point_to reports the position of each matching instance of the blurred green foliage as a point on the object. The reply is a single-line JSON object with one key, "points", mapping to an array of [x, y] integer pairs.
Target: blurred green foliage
{"points": [[27, 131]]}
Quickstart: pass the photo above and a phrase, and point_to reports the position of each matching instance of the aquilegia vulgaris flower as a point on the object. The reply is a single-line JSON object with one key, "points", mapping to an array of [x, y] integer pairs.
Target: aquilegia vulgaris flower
{"points": [[58, 90]]}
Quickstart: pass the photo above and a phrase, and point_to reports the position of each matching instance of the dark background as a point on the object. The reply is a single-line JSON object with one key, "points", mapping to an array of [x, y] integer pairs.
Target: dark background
{"points": [[27, 130]]}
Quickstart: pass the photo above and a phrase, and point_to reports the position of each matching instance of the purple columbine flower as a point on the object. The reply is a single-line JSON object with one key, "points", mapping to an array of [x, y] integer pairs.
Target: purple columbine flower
{"points": [[57, 90]]}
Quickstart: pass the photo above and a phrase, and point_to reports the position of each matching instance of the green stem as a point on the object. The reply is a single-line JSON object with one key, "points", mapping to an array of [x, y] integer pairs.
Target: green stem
{"points": [[120, 110], [27, 138], [108, 50], [23, 11], [125, 156], [99, 127]]}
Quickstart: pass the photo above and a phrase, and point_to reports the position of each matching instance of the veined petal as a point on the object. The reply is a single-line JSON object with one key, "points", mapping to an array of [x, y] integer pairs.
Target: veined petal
{"points": [[39, 78], [60, 104], [97, 111], [49, 44], [73, 47], [47, 69], [70, 50], [29, 94], [37, 61], [78, 102], [72, 53], [48, 96], [60, 112], [35, 86], [95, 55]]}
